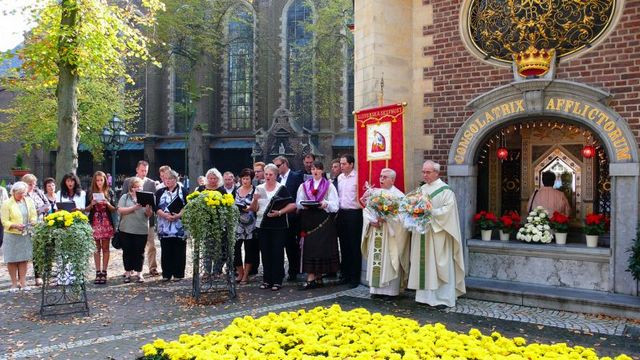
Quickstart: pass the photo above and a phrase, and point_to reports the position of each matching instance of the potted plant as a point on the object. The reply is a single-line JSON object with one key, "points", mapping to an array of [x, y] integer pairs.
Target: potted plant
{"points": [[509, 222], [560, 225], [537, 228], [487, 221], [18, 169], [594, 226]]}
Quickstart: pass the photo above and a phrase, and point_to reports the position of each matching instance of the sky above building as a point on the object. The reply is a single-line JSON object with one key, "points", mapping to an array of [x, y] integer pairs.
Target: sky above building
{"points": [[13, 23]]}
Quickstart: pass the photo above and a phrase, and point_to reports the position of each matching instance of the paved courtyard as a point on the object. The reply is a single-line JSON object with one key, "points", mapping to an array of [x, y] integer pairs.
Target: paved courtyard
{"points": [[125, 316]]}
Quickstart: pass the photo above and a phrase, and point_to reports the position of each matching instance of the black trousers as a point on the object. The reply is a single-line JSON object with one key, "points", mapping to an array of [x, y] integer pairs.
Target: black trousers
{"points": [[349, 226], [133, 251], [292, 246], [251, 252], [271, 246], [173, 257], [256, 265]]}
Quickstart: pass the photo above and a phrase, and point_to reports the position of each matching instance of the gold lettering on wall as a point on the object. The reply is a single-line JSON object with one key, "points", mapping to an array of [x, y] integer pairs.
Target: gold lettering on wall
{"points": [[495, 114], [598, 117], [589, 112]]}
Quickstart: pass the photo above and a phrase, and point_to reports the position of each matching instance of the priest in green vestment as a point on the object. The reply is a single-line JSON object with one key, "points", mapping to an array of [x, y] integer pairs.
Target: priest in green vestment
{"points": [[385, 243], [437, 265]]}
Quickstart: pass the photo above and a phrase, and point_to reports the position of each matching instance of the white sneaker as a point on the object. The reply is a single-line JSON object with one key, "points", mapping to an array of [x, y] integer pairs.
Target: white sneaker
{"points": [[14, 289], [140, 278]]}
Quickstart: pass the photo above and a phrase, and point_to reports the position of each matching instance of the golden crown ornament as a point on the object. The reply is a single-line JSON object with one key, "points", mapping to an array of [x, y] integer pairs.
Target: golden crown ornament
{"points": [[533, 62]]}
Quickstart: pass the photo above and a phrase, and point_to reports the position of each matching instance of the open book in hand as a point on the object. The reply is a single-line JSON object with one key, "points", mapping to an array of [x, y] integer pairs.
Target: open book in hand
{"points": [[145, 198]]}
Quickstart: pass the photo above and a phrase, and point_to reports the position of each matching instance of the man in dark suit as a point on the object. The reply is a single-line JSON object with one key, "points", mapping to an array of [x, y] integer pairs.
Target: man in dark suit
{"points": [[292, 180], [228, 184]]}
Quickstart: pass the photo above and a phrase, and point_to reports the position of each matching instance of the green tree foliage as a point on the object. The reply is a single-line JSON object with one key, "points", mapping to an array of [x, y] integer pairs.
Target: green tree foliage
{"points": [[32, 113], [77, 50], [328, 50]]}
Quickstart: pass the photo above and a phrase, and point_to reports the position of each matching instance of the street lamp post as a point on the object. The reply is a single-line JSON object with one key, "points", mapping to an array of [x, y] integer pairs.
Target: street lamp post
{"points": [[113, 137]]}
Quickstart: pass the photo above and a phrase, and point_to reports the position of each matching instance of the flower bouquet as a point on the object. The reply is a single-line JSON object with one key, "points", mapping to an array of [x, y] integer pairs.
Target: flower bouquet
{"points": [[67, 238], [415, 211], [537, 228], [487, 221], [560, 224], [508, 223], [383, 204], [595, 225]]}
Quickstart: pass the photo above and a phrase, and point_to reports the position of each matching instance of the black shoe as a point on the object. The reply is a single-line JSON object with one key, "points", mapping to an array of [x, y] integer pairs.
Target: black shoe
{"points": [[441, 307], [309, 285], [353, 285]]}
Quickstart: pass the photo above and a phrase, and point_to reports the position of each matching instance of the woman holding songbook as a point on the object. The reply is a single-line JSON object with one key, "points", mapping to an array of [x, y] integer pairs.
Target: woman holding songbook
{"points": [[170, 202], [318, 200], [101, 204], [71, 192], [133, 230], [272, 202]]}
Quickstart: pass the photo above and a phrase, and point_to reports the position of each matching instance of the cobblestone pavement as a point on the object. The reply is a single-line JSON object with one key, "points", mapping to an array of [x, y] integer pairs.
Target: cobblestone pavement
{"points": [[125, 316]]}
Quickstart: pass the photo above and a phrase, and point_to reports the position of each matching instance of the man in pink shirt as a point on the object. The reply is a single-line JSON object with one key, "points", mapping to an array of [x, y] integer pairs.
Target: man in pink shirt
{"points": [[349, 222], [548, 197]]}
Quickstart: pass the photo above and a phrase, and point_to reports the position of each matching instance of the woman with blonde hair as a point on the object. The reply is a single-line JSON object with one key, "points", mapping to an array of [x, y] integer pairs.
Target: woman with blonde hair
{"points": [[42, 206], [100, 205], [18, 215]]}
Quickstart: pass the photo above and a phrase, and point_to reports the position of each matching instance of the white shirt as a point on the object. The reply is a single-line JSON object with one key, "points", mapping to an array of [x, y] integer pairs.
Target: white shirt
{"points": [[283, 178], [79, 200], [331, 198]]}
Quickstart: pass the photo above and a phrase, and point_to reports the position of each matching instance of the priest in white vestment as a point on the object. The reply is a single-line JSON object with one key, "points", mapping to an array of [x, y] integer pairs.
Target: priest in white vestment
{"points": [[437, 266], [385, 243]]}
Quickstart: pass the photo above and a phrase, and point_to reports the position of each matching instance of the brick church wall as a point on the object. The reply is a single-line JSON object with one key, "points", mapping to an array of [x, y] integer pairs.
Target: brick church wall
{"points": [[458, 77]]}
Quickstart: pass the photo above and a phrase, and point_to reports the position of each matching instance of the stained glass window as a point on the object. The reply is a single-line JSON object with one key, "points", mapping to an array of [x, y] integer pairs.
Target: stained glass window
{"points": [[240, 63], [299, 63]]}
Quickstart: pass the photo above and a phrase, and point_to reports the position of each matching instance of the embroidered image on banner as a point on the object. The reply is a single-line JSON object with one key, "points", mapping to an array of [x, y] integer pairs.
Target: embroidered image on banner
{"points": [[379, 141], [379, 144]]}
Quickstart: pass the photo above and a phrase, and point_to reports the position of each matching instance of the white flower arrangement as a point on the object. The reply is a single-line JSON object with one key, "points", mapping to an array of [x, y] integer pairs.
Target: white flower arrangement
{"points": [[537, 228]]}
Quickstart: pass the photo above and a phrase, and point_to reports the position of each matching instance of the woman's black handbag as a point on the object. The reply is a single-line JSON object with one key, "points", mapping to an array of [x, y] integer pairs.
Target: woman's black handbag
{"points": [[116, 242]]}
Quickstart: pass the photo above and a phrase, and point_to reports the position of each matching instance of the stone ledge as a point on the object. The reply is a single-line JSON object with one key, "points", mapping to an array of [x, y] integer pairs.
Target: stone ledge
{"points": [[551, 297], [565, 252]]}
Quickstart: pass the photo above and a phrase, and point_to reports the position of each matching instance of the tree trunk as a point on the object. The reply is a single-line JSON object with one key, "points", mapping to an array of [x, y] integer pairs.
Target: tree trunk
{"points": [[66, 93], [196, 146]]}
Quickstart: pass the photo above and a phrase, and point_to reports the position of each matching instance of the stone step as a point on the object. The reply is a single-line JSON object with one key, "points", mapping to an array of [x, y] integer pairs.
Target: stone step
{"points": [[551, 297]]}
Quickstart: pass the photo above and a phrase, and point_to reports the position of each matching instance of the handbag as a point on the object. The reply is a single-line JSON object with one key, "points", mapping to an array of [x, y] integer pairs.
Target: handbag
{"points": [[116, 241]]}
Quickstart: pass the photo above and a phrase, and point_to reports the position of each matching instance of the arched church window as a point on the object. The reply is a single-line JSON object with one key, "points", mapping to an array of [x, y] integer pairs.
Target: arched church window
{"points": [[240, 68], [183, 107], [299, 60]]}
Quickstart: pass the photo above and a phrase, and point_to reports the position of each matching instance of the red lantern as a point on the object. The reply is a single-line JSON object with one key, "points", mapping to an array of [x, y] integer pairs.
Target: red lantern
{"points": [[502, 153], [588, 151]]}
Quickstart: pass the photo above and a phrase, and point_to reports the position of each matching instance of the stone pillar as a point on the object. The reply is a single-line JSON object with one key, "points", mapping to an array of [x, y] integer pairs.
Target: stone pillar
{"points": [[463, 180], [383, 49], [624, 219]]}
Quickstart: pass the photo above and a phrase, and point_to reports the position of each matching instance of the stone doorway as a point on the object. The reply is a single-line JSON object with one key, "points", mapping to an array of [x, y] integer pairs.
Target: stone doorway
{"points": [[615, 180]]}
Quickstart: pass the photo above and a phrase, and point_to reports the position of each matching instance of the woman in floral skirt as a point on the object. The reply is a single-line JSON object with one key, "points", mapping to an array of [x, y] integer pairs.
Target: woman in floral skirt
{"points": [[100, 205]]}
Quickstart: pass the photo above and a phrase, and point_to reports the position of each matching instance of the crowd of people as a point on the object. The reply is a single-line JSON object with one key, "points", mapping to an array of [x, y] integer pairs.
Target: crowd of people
{"points": [[316, 218]]}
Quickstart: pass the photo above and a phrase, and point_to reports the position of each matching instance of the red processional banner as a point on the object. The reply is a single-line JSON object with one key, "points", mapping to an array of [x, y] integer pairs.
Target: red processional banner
{"points": [[379, 143]]}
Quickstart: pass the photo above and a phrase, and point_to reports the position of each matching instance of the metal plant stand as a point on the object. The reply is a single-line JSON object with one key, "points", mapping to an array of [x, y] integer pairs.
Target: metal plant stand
{"points": [[213, 275], [63, 293]]}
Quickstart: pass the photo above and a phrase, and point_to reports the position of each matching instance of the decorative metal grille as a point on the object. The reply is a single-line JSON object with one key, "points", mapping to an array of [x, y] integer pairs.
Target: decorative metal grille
{"points": [[499, 28], [603, 184]]}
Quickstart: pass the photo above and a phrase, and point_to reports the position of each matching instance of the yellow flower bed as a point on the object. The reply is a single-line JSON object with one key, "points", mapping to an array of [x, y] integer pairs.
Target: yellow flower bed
{"points": [[330, 333]]}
